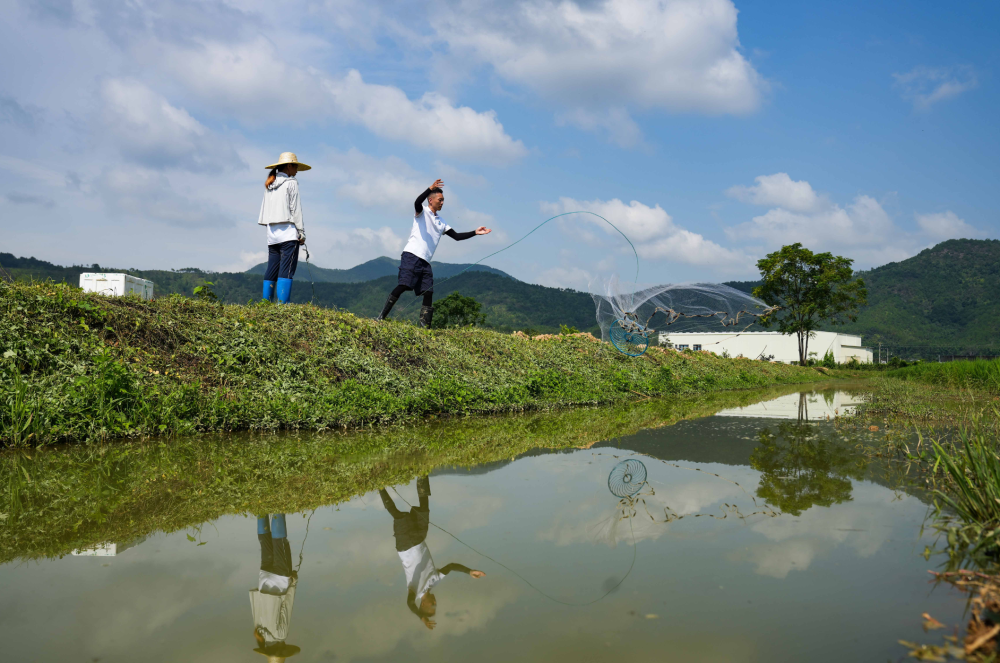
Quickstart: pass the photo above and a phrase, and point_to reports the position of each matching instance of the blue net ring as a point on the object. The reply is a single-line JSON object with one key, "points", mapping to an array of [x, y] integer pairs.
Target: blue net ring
{"points": [[627, 341]]}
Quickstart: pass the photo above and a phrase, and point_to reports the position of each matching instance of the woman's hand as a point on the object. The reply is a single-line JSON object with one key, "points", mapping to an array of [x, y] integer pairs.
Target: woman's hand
{"points": [[483, 230]]}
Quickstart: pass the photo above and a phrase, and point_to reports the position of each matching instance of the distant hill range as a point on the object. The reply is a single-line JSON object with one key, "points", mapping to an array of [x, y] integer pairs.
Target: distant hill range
{"points": [[945, 300], [373, 269]]}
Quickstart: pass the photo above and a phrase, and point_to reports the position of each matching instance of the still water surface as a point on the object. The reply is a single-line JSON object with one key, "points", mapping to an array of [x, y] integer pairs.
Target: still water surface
{"points": [[797, 550]]}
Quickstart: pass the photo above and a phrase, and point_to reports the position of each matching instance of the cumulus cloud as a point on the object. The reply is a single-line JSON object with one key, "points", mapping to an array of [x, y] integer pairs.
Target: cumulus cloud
{"points": [[651, 229], [239, 79], [946, 225], [780, 190], [149, 131], [676, 55], [858, 224], [926, 86], [861, 229]]}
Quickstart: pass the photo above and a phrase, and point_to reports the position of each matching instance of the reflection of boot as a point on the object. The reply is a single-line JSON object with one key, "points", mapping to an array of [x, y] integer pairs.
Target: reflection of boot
{"points": [[423, 487], [284, 290], [268, 290], [426, 315], [389, 303], [278, 529]]}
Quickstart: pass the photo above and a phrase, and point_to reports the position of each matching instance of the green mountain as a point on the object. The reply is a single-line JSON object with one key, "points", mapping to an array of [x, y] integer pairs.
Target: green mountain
{"points": [[508, 303], [373, 269], [944, 300]]}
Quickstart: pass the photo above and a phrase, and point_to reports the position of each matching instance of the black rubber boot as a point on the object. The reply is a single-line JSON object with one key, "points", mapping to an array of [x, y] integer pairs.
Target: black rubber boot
{"points": [[389, 303], [426, 315], [423, 486]]}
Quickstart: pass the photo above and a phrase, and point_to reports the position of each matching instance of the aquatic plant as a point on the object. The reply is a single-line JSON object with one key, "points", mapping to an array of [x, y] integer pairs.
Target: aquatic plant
{"points": [[967, 505]]}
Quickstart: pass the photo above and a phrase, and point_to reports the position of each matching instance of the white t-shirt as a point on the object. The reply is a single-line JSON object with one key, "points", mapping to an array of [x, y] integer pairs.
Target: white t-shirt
{"points": [[272, 583], [427, 230], [278, 233], [421, 574]]}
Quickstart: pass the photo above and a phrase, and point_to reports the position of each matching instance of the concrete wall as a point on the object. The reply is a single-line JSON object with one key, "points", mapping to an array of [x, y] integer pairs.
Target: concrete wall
{"points": [[785, 348]]}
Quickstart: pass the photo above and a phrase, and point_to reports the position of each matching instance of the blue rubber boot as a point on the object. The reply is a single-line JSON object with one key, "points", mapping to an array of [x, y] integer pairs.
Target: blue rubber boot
{"points": [[278, 530], [284, 290], [268, 290], [262, 527]]}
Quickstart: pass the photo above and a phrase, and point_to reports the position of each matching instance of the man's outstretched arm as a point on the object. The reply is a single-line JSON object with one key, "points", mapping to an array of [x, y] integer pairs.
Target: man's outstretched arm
{"points": [[454, 566], [457, 236]]}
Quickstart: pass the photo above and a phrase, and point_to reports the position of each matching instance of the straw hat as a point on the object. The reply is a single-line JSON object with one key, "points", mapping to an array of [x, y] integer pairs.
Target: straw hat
{"points": [[278, 652], [288, 157]]}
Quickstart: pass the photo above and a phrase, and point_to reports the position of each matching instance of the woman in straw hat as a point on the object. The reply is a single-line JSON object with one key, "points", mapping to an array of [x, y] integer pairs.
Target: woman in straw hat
{"points": [[282, 214]]}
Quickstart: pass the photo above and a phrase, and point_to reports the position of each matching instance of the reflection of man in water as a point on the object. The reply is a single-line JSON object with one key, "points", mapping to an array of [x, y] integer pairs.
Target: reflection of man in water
{"points": [[410, 531], [271, 602]]}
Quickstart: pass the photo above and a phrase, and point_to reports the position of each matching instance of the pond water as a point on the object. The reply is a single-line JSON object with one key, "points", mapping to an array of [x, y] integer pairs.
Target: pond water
{"points": [[760, 535]]}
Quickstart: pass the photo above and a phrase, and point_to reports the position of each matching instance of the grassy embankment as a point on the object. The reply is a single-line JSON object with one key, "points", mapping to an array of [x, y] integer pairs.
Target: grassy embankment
{"points": [[83, 367], [53, 500]]}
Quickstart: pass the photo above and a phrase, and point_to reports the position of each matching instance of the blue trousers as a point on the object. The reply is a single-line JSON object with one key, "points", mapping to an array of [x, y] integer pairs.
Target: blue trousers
{"points": [[282, 259]]}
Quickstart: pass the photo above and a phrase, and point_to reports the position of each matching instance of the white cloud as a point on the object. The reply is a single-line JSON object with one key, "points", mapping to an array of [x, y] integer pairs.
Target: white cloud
{"points": [[779, 190], [651, 230], [384, 239], [946, 225], [862, 230], [859, 224], [148, 130], [239, 79], [677, 55], [925, 86]]}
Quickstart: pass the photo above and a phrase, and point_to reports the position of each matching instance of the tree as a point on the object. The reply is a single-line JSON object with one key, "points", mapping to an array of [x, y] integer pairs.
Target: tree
{"points": [[800, 468], [810, 288], [457, 311]]}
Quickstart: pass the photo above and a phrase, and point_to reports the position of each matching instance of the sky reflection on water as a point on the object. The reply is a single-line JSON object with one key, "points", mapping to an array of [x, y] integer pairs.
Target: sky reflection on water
{"points": [[843, 580]]}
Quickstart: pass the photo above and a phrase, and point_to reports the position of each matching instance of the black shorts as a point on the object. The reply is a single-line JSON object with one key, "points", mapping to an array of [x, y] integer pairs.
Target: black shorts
{"points": [[410, 529], [415, 273]]}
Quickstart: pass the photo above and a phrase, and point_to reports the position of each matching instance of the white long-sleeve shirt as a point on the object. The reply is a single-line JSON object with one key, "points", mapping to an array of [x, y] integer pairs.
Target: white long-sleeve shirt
{"points": [[272, 612], [281, 211]]}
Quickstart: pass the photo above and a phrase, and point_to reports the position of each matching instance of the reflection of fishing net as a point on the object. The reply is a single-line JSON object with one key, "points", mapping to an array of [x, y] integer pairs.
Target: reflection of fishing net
{"points": [[629, 315], [641, 513], [627, 478]]}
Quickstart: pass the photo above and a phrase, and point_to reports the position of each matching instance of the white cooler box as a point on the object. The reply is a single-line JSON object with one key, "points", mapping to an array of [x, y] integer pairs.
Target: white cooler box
{"points": [[116, 285]]}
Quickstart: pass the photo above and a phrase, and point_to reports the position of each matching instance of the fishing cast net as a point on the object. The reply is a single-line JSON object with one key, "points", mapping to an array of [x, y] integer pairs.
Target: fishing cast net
{"points": [[629, 316]]}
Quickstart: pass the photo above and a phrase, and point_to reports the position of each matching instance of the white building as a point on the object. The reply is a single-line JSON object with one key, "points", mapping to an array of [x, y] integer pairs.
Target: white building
{"points": [[804, 406], [783, 347]]}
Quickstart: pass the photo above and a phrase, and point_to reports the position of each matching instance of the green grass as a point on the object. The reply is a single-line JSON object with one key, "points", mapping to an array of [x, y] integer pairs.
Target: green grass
{"points": [[83, 367], [967, 501], [53, 500], [980, 374]]}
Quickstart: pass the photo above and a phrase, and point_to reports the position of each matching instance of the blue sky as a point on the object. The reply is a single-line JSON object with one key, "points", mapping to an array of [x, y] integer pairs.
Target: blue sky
{"points": [[135, 133]]}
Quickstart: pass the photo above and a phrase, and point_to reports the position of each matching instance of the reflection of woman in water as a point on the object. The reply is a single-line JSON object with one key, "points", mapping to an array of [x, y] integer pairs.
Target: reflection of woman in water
{"points": [[271, 602], [410, 531]]}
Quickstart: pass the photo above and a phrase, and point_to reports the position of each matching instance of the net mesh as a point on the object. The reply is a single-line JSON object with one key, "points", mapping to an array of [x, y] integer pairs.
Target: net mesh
{"points": [[630, 315]]}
